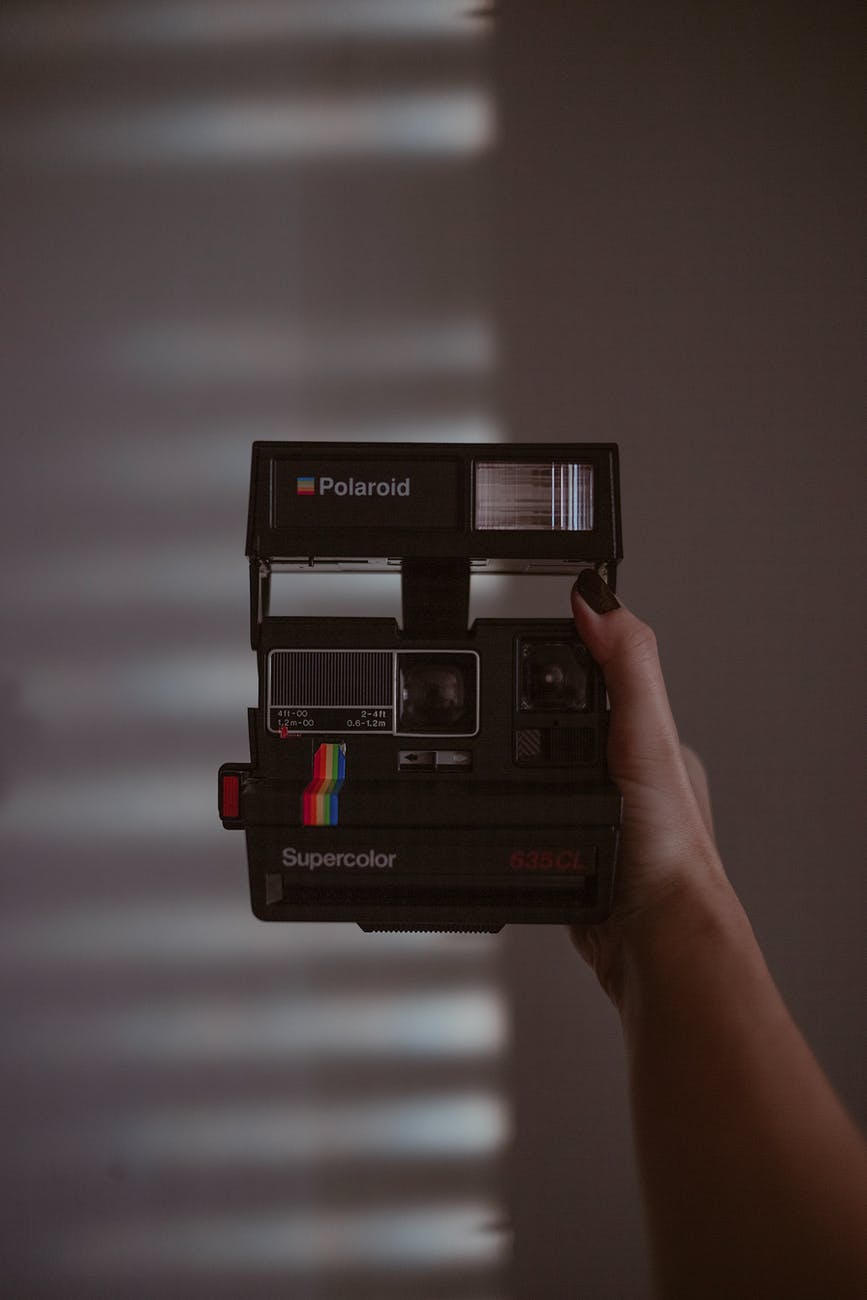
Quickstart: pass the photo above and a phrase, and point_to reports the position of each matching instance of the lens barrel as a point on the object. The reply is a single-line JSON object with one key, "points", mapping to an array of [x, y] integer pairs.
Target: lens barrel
{"points": [[437, 693]]}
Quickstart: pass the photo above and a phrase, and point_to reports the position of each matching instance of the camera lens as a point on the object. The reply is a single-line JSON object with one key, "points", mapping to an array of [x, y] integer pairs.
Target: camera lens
{"points": [[437, 693], [553, 676]]}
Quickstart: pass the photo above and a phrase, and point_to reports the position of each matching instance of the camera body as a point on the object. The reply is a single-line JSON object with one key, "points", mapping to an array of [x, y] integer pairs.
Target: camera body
{"points": [[427, 775]]}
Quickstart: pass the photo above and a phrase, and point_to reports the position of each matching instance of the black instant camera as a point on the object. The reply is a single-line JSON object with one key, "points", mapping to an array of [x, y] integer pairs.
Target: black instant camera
{"points": [[428, 776]]}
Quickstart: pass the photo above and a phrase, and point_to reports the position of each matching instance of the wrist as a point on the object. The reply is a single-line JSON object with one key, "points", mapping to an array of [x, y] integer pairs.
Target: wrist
{"points": [[697, 918]]}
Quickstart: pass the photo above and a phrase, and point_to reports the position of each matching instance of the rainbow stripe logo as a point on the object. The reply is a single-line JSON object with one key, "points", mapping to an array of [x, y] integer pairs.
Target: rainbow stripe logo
{"points": [[306, 485], [319, 801]]}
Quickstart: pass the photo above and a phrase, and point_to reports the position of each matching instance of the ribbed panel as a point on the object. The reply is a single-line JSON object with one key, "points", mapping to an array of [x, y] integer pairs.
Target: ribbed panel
{"points": [[331, 678], [431, 929]]}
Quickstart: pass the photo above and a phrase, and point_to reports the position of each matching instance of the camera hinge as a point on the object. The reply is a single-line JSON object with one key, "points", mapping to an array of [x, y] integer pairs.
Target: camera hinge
{"points": [[260, 596]]}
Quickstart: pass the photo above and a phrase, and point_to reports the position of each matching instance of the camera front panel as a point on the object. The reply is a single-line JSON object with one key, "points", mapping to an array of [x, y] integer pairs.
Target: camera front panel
{"points": [[472, 779], [420, 692]]}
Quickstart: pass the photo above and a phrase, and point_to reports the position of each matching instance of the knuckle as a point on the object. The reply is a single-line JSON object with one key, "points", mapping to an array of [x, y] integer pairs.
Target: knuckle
{"points": [[641, 641], [694, 765]]}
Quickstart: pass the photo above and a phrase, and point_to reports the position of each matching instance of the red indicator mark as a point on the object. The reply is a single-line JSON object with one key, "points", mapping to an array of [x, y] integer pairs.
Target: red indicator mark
{"points": [[231, 796], [284, 732]]}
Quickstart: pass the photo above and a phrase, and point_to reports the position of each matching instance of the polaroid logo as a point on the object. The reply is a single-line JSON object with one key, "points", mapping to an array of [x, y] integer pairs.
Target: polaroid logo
{"points": [[366, 859], [352, 487]]}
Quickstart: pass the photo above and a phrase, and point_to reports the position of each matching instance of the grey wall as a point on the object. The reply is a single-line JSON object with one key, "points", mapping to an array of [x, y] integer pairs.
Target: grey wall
{"points": [[679, 214], [220, 222]]}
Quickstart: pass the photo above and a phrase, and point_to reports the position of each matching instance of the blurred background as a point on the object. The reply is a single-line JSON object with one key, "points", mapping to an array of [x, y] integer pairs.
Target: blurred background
{"points": [[416, 220]]}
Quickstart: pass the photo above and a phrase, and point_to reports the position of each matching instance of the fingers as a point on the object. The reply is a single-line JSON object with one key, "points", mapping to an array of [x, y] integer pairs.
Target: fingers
{"points": [[626, 651], [663, 783], [667, 828]]}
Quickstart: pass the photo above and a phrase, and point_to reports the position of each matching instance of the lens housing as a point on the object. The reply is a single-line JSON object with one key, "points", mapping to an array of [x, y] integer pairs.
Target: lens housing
{"points": [[553, 676], [437, 693]]}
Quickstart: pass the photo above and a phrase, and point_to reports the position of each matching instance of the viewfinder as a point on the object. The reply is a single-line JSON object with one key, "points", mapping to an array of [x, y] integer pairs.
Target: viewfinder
{"points": [[552, 676]]}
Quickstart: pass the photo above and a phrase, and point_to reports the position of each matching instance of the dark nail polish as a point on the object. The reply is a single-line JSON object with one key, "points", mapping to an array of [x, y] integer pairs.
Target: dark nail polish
{"points": [[596, 592]]}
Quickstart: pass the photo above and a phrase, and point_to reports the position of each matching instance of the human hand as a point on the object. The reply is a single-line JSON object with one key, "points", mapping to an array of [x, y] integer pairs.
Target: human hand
{"points": [[667, 847]]}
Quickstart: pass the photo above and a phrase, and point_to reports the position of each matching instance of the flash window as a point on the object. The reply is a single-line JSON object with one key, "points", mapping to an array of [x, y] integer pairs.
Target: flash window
{"points": [[550, 496]]}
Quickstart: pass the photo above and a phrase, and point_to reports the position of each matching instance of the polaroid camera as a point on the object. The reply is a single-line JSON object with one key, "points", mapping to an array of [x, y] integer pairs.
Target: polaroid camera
{"points": [[432, 775]]}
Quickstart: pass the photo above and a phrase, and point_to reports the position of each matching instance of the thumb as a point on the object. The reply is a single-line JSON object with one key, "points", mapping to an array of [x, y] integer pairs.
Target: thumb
{"points": [[626, 651]]}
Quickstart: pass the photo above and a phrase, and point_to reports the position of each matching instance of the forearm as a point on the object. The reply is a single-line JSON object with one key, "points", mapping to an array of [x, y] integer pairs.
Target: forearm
{"points": [[755, 1178]]}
